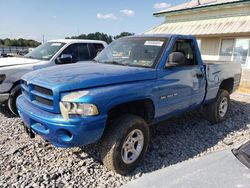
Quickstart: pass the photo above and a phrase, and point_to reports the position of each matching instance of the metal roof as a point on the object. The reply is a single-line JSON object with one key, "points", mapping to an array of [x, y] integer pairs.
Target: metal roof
{"points": [[197, 4], [229, 25]]}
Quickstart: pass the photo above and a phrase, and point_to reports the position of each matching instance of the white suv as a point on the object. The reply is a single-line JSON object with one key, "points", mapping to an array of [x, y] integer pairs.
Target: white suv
{"points": [[54, 52]]}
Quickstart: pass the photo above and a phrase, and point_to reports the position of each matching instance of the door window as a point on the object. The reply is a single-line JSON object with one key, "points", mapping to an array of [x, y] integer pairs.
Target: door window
{"points": [[98, 47], [95, 48], [187, 49], [79, 52], [83, 52]]}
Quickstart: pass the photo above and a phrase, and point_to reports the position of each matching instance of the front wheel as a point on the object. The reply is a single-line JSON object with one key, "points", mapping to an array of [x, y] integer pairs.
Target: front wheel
{"points": [[217, 111], [125, 143], [15, 92]]}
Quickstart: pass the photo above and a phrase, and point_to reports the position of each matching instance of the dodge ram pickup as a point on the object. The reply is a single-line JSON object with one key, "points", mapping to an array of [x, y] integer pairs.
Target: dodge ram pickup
{"points": [[133, 83], [54, 52]]}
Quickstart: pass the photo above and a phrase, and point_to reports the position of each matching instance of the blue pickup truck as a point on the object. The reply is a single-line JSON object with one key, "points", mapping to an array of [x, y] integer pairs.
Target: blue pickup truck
{"points": [[133, 83]]}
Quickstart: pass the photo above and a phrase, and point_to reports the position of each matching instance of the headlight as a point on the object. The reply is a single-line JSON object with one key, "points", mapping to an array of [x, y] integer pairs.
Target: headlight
{"points": [[83, 109]]}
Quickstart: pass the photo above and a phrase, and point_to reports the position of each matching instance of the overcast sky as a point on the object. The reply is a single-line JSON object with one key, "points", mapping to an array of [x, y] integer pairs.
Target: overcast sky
{"points": [[58, 19]]}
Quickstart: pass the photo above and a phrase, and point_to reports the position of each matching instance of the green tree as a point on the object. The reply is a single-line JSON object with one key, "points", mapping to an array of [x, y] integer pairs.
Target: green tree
{"points": [[7, 42], [100, 36], [123, 34], [94, 36], [19, 42]]}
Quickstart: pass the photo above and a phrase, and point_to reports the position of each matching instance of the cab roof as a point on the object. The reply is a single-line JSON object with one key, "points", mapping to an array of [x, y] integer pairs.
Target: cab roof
{"points": [[161, 36], [78, 41]]}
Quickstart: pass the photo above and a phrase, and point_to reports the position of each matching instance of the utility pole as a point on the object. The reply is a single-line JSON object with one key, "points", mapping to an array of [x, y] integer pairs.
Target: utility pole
{"points": [[43, 38]]}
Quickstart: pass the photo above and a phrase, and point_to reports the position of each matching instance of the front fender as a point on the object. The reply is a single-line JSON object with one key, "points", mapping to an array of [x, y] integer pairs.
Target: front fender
{"points": [[13, 75], [107, 97]]}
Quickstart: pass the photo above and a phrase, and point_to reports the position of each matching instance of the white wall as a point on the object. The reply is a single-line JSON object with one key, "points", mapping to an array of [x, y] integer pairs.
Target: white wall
{"points": [[210, 48]]}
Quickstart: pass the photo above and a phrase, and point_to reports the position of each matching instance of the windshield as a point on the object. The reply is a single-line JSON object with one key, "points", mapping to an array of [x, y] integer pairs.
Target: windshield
{"points": [[45, 51], [142, 52]]}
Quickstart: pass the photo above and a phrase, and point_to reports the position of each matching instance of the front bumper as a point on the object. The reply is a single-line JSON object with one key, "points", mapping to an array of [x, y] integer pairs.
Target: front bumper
{"points": [[78, 131], [4, 97]]}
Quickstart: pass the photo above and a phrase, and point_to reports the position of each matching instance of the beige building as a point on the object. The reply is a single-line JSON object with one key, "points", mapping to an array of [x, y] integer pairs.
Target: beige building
{"points": [[222, 28]]}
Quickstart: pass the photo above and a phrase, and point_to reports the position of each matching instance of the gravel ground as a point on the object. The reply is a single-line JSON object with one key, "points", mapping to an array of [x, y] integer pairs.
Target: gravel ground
{"points": [[34, 163]]}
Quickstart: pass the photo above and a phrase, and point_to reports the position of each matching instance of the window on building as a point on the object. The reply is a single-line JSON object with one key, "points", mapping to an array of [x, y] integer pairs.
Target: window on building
{"points": [[226, 50], [241, 50], [234, 50]]}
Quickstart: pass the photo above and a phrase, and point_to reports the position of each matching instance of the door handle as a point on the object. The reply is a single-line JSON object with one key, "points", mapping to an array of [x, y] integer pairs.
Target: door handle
{"points": [[199, 75]]}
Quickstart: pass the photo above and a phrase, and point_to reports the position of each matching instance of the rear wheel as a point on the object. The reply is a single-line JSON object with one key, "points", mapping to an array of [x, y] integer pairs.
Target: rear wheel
{"points": [[15, 92], [125, 143], [217, 111]]}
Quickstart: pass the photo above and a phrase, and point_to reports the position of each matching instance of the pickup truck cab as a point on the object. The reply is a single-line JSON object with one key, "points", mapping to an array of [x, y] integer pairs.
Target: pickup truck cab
{"points": [[54, 52], [133, 83]]}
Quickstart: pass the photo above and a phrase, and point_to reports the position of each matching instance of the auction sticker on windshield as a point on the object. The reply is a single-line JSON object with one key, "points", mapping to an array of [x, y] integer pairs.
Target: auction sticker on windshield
{"points": [[153, 43]]}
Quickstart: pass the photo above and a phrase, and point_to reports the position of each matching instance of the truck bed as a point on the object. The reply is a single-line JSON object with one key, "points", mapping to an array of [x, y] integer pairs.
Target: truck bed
{"points": [[219, 62], [217, 71]]}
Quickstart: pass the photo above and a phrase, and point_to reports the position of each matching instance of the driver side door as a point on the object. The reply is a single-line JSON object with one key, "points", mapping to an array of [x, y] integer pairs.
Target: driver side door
{"points": [[177, 82]]}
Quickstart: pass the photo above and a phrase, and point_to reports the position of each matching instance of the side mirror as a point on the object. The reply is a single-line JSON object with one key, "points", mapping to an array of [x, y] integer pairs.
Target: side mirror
{"points": [[65, 59], [175, 59]]}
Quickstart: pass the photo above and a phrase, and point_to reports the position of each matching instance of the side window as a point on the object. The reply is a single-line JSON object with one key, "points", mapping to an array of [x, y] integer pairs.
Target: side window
{"points": [[99, 47], [79, 52], [96, 48], [187, 49], [71, 50], [83, 52]]}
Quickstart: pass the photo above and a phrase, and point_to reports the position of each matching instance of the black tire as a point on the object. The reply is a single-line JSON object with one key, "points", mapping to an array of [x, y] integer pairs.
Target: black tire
{"points": [[212, 111], [15, 92], [112, 151]]}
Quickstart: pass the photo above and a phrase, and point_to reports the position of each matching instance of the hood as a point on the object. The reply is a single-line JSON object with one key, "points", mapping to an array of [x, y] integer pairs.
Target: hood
{"points": [[87, 74], [12, 61]]}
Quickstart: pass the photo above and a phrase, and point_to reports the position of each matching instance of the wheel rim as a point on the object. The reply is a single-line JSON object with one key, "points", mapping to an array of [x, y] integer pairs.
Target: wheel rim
{"points": [[132, 147], [223, 107]]}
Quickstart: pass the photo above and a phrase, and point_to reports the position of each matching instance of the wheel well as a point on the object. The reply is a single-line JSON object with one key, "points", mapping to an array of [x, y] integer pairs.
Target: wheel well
{"points": [[14, 85], [143, 108], [227, 84]]}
